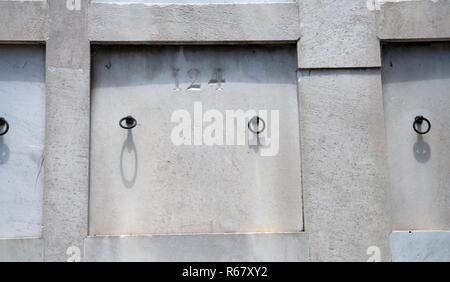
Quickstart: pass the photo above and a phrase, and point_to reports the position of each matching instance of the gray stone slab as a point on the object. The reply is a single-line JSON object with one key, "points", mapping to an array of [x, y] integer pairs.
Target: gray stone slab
{"points": [[416, 79], [337, 34], [23, 20], [420, 246], [22, 104], [199, 248], [21, 250], [116, 22], [194, 1], [144, 182], [68, 45], [414, 20], [66, 185], [344, 164]]}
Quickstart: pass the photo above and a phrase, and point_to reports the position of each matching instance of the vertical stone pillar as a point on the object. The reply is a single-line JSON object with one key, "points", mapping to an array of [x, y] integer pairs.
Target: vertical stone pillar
{"points": [[345, 186], [65, 215]]}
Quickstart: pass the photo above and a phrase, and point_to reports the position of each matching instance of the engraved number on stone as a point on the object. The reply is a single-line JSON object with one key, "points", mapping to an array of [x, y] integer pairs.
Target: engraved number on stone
{"points": [[194, 75], [217, 78]]}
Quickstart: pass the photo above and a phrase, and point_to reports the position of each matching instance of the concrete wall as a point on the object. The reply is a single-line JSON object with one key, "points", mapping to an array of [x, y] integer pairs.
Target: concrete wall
{"points": [[416, 79], [420, 246], [343, 160], [144, 183], [22, 96], [344, 164], [253, 247]]}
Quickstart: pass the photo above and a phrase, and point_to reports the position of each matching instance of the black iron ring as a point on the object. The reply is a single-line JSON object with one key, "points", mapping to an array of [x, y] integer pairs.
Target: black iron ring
{"points": [[418, 120], [257, 131], [130, 122], [3, 122]]}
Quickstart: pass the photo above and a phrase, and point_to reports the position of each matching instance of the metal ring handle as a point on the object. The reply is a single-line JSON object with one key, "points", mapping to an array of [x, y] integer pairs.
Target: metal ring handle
{"points": [[130, 122], [257, 130], [3, 122], [418, 120]]}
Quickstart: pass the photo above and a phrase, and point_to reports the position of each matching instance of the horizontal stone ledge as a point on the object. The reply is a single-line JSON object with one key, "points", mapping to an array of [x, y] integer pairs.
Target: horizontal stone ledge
{"points": [[414, 21], [199, 247], [23, 21], [139, 22]]}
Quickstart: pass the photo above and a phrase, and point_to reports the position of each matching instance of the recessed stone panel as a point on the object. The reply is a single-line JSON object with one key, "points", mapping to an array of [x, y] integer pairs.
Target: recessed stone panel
{"points": [[154, 180], [416, 82], [22, 105]]}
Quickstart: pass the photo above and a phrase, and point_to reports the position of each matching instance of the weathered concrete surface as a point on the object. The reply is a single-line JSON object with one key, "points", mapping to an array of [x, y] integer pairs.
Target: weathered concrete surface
{"points": [[66, 182], [23, 20], [337, 34], [68, 45], [67, 134], [416, 80], [144, 183], [194, 1], [193, 23], [344, 164], [21, 250], [414, 20], [351, 215], [420, 246], [276, 247], [22, 104]]}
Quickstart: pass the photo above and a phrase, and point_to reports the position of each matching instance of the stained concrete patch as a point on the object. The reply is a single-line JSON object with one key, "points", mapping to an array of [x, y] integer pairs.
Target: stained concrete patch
{"points": [[193, 23], [420, 246]]}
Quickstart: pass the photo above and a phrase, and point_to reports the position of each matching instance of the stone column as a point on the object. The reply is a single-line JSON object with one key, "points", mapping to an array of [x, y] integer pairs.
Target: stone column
{"points": [[66, 186]]}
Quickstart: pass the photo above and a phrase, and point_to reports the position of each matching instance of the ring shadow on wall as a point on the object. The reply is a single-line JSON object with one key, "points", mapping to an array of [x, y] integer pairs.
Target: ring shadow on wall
{"points": [[422, 150], [254, 133], [4, 152], [4, 149], [128, 161]]}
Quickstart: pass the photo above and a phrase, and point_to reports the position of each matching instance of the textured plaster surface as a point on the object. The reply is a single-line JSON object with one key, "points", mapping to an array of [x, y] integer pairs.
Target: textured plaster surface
{"points": [[337, 34], [193, 23], [23, 20], [344, 164]]}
